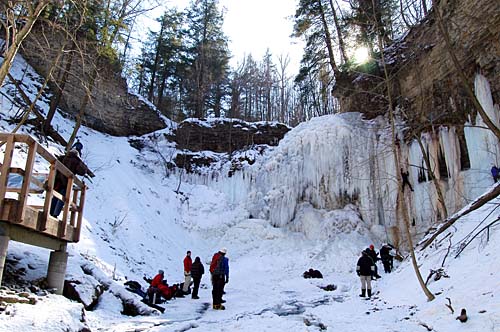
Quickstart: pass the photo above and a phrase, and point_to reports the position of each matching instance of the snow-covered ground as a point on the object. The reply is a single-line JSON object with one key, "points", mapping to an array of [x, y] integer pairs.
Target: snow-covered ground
{"points": [[135, 223]]}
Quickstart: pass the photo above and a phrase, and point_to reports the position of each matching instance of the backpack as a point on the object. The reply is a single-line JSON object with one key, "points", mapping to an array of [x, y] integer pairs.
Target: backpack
{"points": [[217, 266]]}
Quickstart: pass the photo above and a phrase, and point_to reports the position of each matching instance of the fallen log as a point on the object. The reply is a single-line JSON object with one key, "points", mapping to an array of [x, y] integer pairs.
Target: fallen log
{"points": [[476, 204], [129, 301]]}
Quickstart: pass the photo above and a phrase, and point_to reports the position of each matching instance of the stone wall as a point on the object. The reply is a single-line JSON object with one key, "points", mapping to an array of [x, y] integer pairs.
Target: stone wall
{"points": [[112, 109]]}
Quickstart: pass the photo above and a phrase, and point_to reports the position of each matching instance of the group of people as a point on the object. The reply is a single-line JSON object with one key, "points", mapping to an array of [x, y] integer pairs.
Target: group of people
{"points": [[193, 272], [366, 267]]}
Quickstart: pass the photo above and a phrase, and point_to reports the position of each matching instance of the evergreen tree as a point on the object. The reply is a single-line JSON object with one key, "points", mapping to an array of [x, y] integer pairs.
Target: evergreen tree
{"points": [[370, 16], [208, 57]]}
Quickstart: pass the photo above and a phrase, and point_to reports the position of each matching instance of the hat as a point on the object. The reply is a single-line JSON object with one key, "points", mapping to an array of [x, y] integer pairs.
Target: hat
{"points": [[372, 246], [223, 250], [160, 272]]}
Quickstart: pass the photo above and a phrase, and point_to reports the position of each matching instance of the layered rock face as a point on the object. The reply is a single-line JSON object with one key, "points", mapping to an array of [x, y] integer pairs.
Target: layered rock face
{"points": [[112, 108], [425, 82], [226, 135]]}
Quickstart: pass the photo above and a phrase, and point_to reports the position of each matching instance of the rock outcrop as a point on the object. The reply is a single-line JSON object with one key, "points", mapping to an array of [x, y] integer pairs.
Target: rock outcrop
{"points": [[226, 135], [112, 108], [425, 82]]}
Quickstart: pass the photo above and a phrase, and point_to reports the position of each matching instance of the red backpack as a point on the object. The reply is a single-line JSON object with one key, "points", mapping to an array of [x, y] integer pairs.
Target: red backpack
{"points": [[216, 263]]}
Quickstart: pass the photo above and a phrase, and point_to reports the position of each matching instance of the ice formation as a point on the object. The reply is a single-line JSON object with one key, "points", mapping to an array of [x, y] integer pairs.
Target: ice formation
{"points": [[340, 161]]}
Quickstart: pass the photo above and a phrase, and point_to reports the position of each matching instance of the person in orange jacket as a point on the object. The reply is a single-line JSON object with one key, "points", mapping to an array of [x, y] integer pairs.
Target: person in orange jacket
{"points": [[188, 263]]}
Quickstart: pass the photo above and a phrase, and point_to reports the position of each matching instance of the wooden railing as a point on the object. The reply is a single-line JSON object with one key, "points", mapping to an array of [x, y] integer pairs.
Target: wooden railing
{"points": [[15, 207]]}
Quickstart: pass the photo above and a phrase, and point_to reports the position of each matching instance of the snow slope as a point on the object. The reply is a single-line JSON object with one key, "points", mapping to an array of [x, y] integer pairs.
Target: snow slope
{"points": [[136, 223]]}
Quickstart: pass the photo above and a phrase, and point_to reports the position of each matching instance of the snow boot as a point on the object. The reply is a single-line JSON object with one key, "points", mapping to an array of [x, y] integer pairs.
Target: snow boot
{"points": [[219, 307], [369, 293], [363, 292]]}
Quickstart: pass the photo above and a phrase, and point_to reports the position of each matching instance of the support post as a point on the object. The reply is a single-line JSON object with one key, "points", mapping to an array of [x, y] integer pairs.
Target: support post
{"points": [[4, 244], [57, 269]]}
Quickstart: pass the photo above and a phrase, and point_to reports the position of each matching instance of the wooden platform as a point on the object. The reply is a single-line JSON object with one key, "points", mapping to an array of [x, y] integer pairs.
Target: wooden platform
{"points": [[30, 223]]}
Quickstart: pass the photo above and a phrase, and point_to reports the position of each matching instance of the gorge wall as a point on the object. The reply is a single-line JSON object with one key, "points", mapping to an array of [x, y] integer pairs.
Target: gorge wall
{"points": [[112, 108], [344, 161], [425, 83]]}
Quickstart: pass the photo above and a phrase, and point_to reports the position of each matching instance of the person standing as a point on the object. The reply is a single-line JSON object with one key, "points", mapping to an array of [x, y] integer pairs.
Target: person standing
{"points": [[374, 256], [197, 271], [78, 146], [365, 269], [188, 263], [386, 257], [77, 167], [219, 269]]}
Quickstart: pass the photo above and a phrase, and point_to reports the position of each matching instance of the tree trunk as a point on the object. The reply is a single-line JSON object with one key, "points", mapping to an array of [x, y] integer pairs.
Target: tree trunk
{"points": [[328, 40], [40, 91], [83, 107], [400, 197], [424, 7], [56, 99], [155, 66], [339, 33], [480, 201]]}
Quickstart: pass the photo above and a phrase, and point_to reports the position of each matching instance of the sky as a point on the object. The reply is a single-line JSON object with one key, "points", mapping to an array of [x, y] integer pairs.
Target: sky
{"points": [[256, 25], [253, 26]]}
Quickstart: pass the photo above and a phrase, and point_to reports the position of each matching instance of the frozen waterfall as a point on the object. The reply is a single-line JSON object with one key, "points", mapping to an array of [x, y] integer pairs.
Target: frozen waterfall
{"points": [[343, 162]]}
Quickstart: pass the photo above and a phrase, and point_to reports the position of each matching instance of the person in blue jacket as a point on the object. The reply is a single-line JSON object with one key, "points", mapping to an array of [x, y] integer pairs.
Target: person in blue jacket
{"points": [[495, 172], [219, 268]]}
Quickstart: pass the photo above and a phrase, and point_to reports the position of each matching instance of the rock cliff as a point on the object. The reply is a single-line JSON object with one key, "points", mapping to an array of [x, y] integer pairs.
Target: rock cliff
{"points": [[425, 82], [112, 108], [226, 135]]}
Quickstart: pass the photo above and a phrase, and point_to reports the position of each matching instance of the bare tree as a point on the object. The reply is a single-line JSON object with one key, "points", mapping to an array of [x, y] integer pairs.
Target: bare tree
{"points": [[400, 197], [283, 79], [17, 21]]}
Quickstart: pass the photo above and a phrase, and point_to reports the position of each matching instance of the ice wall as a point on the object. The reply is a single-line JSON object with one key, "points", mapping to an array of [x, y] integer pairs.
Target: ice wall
{"points": [[342, 160]]}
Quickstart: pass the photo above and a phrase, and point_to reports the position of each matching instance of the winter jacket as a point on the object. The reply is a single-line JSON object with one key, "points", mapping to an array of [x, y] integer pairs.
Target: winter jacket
{"points": [[226, 266], [373, 254], [365, 266], [75, 165], [188, 262], [385, 252], [219, 268], [197, 269], [494, 171], [157, 280]]}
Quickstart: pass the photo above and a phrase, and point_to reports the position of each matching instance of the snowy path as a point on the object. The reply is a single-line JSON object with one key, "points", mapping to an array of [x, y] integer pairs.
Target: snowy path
{"points": [[274, 298]]}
